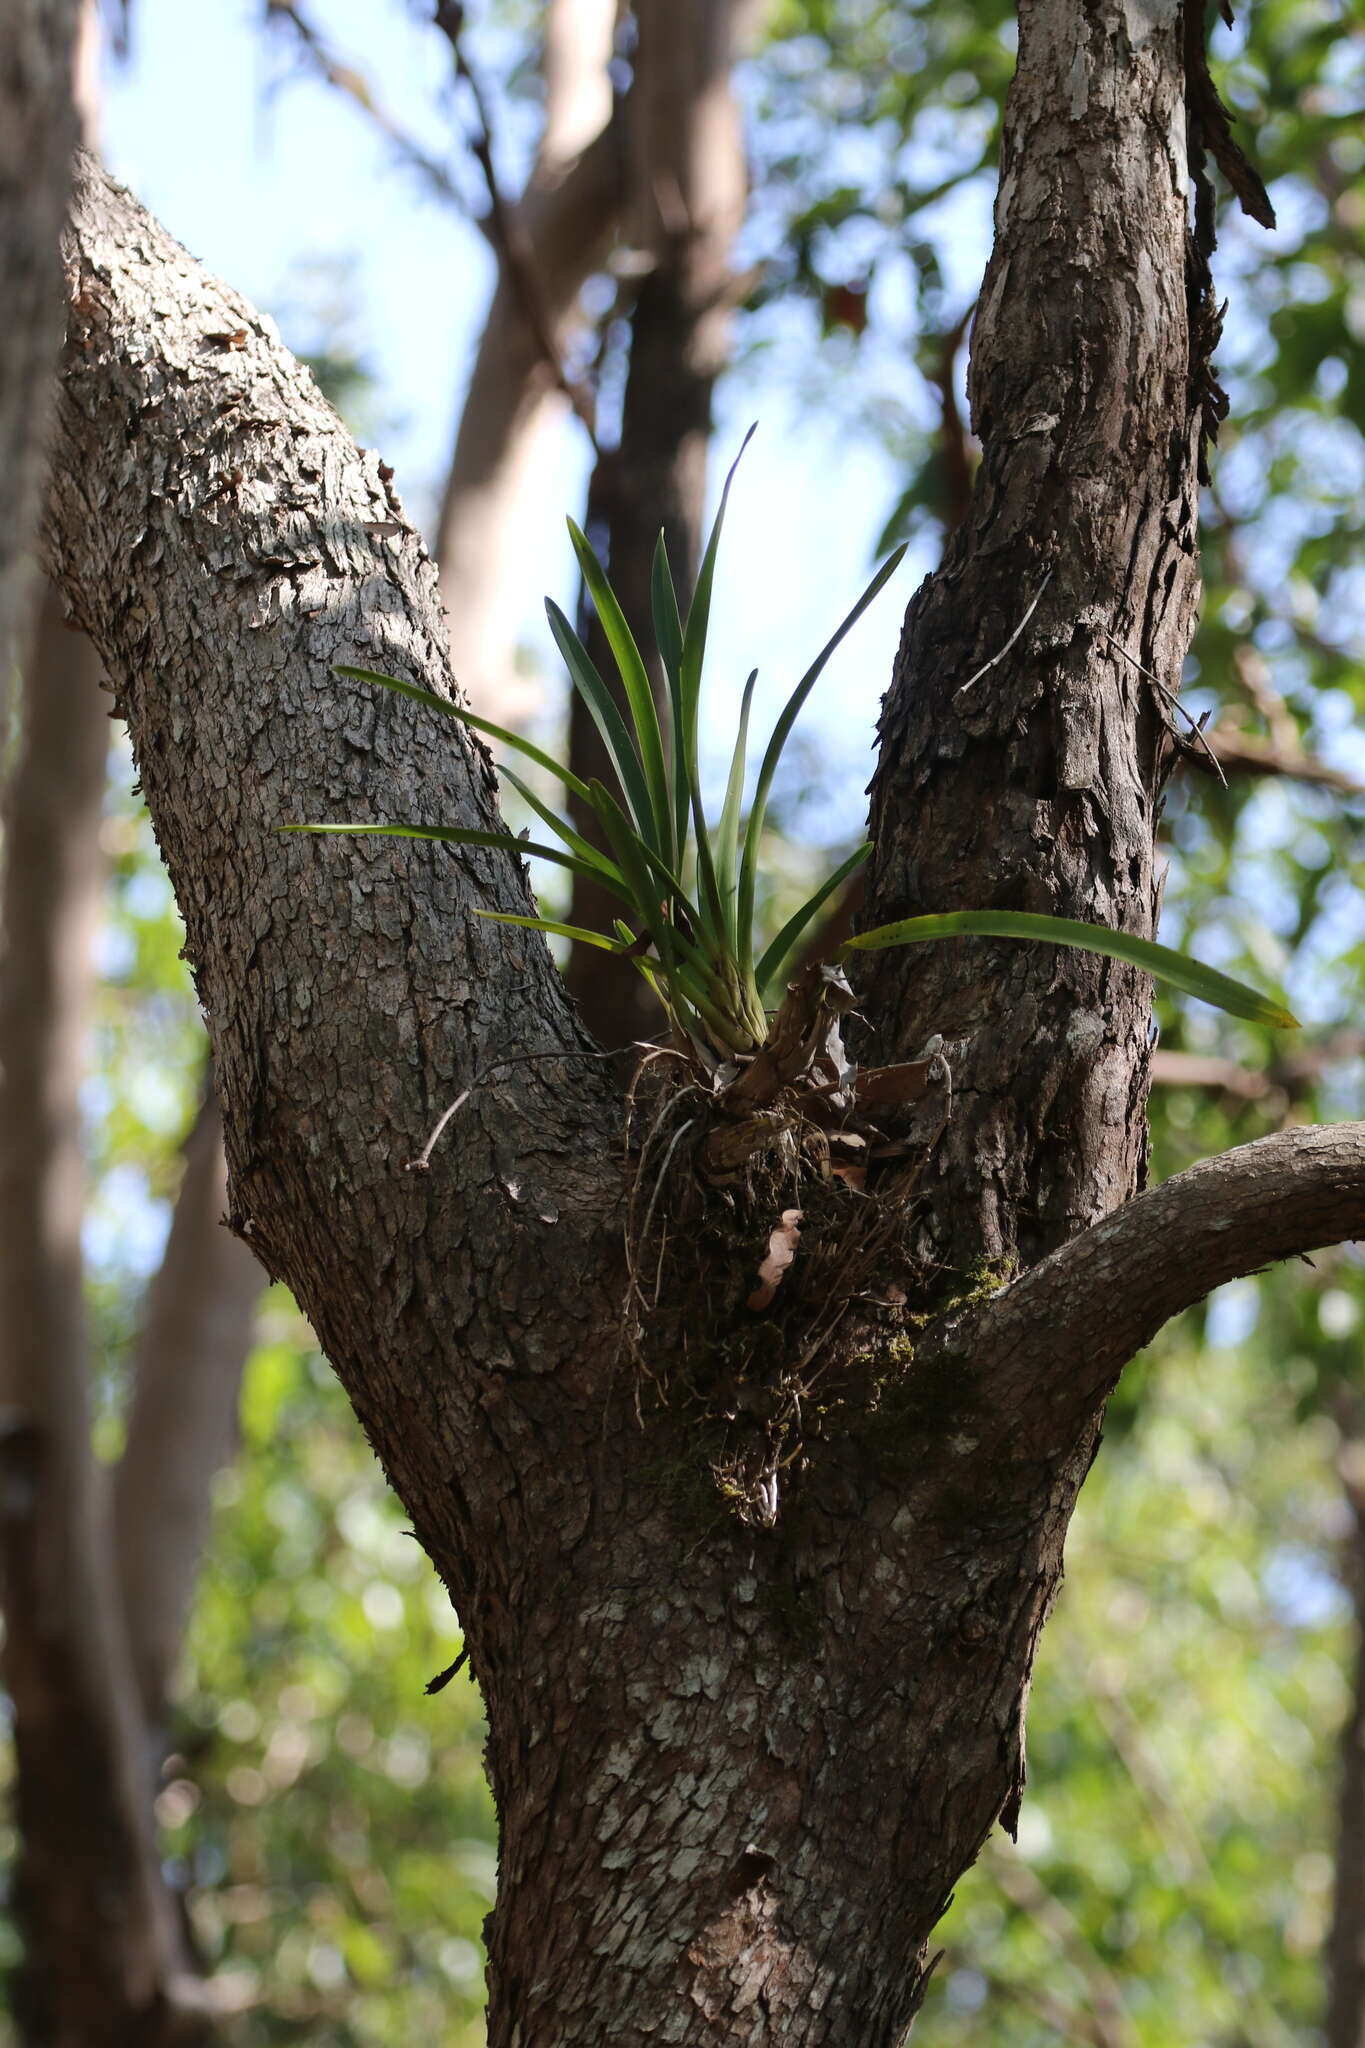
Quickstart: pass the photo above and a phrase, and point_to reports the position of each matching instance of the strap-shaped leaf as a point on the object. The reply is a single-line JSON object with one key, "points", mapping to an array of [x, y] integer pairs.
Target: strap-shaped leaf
{"points": [[663, 601], [577, 932], [727, 835], [659, 881], [471, 718], [459, 835], [1164, 964], [748, 870], [575, 841], [793, 928], [647, 899], [606, 717], [635, 681], [694, 643]]}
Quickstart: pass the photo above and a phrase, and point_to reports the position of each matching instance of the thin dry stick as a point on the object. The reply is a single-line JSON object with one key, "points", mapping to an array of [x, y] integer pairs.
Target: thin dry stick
{"points": [[504, 229], [1195, 727], [422, 1163], [344, 79], [963, 688]]}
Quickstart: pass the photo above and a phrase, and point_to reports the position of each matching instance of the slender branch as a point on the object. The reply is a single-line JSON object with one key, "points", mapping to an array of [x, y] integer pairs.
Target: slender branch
{"points": [[345, 79], [513, 404], [1059, 1336], [1288, 1076], [1243, 753], [505, 230]]}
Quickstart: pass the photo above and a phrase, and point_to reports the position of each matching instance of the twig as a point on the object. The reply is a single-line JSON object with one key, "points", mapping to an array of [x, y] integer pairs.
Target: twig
{"points": [[422, 1163], [351, 82], [963, 688], [1196, 728], [505, 231], [443, 1678], [1244, 751]]}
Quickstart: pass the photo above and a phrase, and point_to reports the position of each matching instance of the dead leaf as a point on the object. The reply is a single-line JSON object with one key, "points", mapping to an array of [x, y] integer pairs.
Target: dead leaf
{"points": [[881, 1087], [783, 1239], [854, 1177]]}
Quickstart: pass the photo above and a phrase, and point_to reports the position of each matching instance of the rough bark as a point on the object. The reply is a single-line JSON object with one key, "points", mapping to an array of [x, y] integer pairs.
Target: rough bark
{"points": [[1345, 2016], [737, 1770], [38, 131], [197, 1319], [564, 222], [103, 1961], [687, 191], [1035, 786]]}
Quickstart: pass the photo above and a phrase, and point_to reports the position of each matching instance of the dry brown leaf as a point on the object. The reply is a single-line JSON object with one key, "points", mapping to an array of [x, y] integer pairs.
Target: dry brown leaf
{"points": [[879, 1087], [783, 1239]]}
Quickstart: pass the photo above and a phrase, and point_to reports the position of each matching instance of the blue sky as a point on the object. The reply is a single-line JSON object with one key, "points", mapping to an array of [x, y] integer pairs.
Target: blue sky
{"points": [[263, 171]]}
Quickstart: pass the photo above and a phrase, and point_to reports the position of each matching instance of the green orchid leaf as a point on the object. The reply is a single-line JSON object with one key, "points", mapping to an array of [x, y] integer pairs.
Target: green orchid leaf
{"points": [[573, 840], [793, 928], [470, 718], [694, 642], [577, 932], [608, 720], [1164, 964], [663, 599], [459, 835], [727, 835], [748, 873], [635, 681]]}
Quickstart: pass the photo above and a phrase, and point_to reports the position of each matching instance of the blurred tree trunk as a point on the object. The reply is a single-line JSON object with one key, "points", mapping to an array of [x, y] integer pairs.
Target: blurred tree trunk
{"points": [[738, 1770], [96, 1566], [103, 1962], [687, 193], [197, 1320], [564, 222], [38, 131], [1345, 2021], [90, 1635]]}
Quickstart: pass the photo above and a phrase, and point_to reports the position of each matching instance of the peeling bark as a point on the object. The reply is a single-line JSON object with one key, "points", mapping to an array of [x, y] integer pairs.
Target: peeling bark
{"points": [[737, 1771]]}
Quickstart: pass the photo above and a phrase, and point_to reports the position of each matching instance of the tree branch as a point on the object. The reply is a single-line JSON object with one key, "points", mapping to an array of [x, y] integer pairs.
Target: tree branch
{"points": [[1059, 1336], [351, 987], [345, 79]]}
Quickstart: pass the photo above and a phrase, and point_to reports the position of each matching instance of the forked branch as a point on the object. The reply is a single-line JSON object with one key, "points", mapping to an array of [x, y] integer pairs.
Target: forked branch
{"points": [[1062, 1333]]}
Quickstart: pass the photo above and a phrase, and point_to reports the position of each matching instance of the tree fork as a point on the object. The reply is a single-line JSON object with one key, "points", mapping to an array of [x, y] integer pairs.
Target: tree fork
{"points": [[737, 1771]]}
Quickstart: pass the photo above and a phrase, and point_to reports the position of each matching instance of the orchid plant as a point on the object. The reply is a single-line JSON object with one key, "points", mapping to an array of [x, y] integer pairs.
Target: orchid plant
{"points": [[687, 889]]}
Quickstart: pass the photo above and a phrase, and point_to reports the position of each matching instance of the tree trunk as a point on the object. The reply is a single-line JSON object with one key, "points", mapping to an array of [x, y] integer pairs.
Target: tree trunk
{"points": [[103, 1961], [738, 1769], [38, 131], [197, 1319], [1345, 2019]]}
